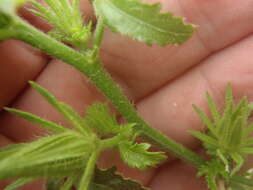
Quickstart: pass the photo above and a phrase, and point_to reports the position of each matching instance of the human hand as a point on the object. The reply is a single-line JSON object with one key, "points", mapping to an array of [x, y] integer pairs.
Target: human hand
{"points": [[163, 82]]}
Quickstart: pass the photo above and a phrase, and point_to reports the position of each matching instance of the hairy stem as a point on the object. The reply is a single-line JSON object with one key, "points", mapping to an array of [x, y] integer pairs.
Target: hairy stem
{"points": [[94, 71], [89, 170], [99, 33], [111, 142], [7, 33]]}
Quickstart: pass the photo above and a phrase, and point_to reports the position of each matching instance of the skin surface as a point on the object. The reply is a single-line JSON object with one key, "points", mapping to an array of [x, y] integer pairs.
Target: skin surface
{"points": [[162, 82]]}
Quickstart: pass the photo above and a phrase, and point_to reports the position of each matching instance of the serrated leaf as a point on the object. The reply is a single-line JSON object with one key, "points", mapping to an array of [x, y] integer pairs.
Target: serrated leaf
{"points": [[98, 116], [111, 180], [204, 138], [238, 110], [143, 22], [213, 108], [205, 119], [53, 156], [138, 156], [35, 119], [18, 183], [67, 20]]}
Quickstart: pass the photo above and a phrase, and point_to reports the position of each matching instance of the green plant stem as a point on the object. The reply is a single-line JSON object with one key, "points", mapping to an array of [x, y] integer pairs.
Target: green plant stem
{"points": [[111, 142], [7, 33], [103, 81], [98, 37], [68, 183], [89, 170]]}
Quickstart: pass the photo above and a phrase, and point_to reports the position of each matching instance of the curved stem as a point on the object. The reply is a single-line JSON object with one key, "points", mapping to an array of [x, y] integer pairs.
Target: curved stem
{"points": [[89, 170], [103, 81], [98, 37]]}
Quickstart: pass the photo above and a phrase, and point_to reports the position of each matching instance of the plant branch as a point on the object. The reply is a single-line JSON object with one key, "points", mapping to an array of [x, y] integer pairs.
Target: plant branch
{"points": [[98, 36], [103, 81], [111, 142], [7, 33], [89, 170]]}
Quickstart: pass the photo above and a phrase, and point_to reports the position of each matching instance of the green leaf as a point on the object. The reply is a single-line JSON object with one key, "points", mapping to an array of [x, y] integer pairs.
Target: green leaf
{"points": [[8, 150], [235, 134], [213, 108], [137, 155], [205, 119], [204, 138], [67, 19], [53, 156], [64, 109], [35, 119], [143, 22], [98, 116], [212, 170], [18, 183], [110, 180]]}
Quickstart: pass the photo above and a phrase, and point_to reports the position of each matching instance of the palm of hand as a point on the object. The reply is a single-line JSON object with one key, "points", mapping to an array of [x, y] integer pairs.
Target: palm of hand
{"points": [[163, 82]]}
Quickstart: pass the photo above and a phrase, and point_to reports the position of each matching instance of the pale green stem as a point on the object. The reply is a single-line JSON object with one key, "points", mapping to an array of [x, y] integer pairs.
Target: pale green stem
{"points": [[7, 33], [89, 171], [68, 184], [98, 37], [111, 142], [97, 74]]}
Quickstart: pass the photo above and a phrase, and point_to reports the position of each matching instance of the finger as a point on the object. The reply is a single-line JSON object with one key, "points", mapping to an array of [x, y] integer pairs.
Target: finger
{"points": [[144, 69], [177, 176], [19, 63], [170, 108], [38, 184]]}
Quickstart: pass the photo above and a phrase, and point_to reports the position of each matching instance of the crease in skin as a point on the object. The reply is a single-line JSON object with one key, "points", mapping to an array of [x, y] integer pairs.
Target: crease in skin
{"points": [[25, 64]]}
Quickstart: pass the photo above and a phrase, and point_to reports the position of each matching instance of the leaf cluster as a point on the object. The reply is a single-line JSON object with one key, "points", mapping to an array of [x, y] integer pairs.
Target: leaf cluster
{"points": [[143, 22], [228, 138], [121, 16], [66, 154], [67, 20]]}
